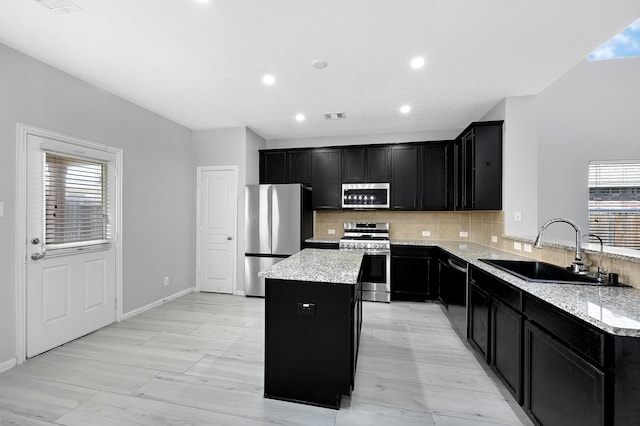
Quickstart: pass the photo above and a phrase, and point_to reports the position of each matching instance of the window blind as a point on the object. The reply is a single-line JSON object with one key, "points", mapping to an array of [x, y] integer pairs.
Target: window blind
{"points": [[76, 201], [614, 203]]}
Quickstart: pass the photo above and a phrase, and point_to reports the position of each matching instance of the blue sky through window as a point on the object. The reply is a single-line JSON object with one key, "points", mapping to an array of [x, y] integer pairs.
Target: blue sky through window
{"points": [[623, 45]]}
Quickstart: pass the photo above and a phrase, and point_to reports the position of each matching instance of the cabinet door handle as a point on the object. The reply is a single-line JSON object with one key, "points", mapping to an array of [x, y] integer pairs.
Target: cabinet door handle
{"points": [[456, 266]]}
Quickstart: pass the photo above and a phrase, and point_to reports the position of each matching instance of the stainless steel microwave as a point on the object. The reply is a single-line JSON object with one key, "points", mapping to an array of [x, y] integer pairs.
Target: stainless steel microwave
{"points": [[365, 195]]}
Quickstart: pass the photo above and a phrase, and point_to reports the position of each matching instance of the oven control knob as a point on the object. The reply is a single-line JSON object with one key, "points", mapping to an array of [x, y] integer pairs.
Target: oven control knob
{"points": [[360, 245]]}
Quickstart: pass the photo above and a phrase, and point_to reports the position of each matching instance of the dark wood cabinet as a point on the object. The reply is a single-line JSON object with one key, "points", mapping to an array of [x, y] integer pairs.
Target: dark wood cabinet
{"points": [[299, 166], [378, 164], [311, 340], [436, 176], [405, 170], [478, 162], [413, 272], [285, 166], [479, 319], [327, 179], [452, 290], [366, 164], [561, 388], [273, 166], [506, 346]]}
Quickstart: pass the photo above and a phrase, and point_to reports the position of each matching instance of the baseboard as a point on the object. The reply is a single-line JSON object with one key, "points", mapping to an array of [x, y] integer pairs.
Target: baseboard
{"points": [[7, 365], [240, 293], [155, 304]]}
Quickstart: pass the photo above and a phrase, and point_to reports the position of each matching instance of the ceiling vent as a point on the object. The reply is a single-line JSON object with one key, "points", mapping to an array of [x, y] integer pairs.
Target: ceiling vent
{"points": [[58, 7], [335, 116]]}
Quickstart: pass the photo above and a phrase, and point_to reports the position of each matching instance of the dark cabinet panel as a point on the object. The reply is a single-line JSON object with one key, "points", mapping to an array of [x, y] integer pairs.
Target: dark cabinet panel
{"points": [[452, 290], [437, 176], [506, 346], [479, 319], [412, 273], [311, 340], [560, 388], [404, 177], [299, 166], [273, 166], [327, 179], [378, 164], [478, 161], [353, 168], [321, 245]]}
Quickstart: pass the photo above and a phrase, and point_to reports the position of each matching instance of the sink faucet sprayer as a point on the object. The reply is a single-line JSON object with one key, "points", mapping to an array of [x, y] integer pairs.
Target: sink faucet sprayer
{"points": [[602, 272], [577, 266]]}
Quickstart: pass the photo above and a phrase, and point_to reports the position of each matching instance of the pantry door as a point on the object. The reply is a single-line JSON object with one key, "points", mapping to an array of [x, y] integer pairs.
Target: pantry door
{"points": [[71, 226], [216, 244]]}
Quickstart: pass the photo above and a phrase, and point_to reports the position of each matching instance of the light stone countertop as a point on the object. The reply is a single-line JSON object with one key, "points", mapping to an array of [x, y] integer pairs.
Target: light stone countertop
{"points": [[615, 310], [318, 265]]}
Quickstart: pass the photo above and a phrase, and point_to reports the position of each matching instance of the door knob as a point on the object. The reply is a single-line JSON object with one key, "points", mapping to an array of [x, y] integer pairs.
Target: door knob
{"points": [[37, 256], [35, 241], [229, 238]]}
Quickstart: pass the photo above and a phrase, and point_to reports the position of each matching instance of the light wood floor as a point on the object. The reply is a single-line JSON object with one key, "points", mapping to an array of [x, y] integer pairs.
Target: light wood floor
{"points": [[198, 360]]}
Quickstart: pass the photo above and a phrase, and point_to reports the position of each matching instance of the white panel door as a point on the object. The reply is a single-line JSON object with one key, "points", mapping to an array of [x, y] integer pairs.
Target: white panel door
{"points": [[216, 249], [69, 294]]}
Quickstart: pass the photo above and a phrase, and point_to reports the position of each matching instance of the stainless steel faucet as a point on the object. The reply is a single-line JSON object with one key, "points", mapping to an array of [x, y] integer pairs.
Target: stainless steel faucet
{"points": [[577, 266], [601, 274]]}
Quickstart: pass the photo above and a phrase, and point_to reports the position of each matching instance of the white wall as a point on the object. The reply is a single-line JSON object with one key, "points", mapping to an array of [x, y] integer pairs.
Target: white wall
{"points": [[433, 135], [158, 214], [237, 146], [590, 113]]}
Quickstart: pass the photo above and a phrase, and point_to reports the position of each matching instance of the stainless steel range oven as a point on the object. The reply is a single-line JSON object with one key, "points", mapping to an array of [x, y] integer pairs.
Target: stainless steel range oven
{"points": [[373, 239]]}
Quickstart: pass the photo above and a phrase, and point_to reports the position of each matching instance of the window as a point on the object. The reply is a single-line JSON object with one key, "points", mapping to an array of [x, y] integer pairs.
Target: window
{"points": [[76, 201], [614, 202], [625, 44]]}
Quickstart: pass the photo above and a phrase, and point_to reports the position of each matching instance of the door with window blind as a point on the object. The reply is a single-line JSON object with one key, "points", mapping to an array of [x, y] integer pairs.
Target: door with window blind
{"points": [[71, 264]]}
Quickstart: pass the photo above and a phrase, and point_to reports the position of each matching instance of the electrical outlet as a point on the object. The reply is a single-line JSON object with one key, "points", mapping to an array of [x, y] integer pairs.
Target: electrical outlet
{"points": [[517, 216], [331, 231], [426, 233], [527, 248], [494, 239], [517, 246], [464, 234], [1, 209], [166, 281]]}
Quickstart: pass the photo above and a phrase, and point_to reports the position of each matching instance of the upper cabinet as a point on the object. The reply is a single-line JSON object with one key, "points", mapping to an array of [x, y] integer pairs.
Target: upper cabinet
{"points": [[370, 164], [479, 167], [465, 174], [327, 178], [285, 166], [405, 185]]}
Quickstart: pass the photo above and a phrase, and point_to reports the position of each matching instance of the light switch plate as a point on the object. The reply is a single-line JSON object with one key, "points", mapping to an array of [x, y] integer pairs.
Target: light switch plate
{"points": [[517, 246], [332, 231], [527, 248], [426, 233], [517, 216], [464, 234], [494, 239]]}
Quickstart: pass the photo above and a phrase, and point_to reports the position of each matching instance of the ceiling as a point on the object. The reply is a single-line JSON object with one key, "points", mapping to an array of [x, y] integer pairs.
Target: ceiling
{"points": [[201, 64]]}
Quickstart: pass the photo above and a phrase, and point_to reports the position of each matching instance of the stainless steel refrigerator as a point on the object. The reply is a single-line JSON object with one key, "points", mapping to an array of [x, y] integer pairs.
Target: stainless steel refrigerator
{"points": [[278, 218]]}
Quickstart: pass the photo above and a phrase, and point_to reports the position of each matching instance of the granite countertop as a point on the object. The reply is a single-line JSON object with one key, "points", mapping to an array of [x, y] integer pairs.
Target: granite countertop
{"points": [[613, 309], [318, 265]]}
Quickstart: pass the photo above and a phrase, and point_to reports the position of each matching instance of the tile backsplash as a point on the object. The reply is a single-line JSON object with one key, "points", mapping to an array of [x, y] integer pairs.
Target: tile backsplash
{"points": [[481, 227]]}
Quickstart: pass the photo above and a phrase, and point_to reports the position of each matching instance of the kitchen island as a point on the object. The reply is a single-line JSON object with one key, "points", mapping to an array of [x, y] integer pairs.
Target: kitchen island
{"points": [[313, 316]]}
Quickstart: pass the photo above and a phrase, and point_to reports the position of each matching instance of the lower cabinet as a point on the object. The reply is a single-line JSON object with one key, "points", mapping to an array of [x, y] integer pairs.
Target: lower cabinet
{"points": [[479, 310], [506, 346], [561, 369], [561, 388], [413, 271]]}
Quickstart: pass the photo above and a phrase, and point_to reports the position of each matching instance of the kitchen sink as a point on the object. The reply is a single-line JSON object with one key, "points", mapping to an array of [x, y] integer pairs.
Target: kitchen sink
{"points": [[541, 272]]}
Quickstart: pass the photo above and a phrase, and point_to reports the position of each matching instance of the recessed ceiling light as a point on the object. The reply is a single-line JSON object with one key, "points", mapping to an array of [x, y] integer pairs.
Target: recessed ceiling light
{"points": [[202, 1], [405, 109], [319, 64], [268, 80], [300, 117], [417, 62]]}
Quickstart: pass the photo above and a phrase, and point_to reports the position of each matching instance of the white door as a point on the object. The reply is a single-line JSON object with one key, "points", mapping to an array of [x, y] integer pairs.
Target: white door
{"points": [[216, 241], [70, 287]]}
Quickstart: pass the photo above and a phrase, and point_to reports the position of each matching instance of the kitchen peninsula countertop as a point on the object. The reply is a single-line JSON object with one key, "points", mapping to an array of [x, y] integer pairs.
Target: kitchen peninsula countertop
{"points": [[615, 310], [317, 265]]}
